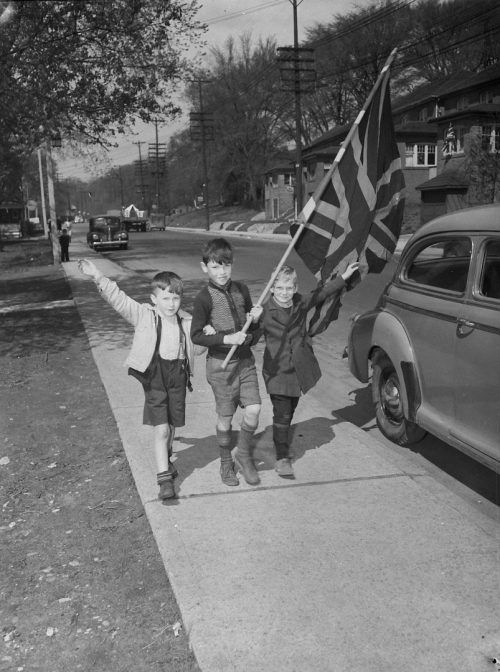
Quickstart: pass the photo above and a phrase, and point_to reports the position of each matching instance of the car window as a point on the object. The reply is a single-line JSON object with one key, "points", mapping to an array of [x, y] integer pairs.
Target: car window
{"points": [[490, 276], [102, 223], [444, 264]]}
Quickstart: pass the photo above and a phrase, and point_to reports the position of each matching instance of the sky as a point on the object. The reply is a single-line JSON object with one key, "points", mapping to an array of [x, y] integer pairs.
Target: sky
{"points": [[263, 18]]}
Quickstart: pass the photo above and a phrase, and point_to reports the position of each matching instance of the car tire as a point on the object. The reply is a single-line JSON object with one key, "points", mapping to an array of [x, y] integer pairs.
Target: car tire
{"points": [[389, 413]]}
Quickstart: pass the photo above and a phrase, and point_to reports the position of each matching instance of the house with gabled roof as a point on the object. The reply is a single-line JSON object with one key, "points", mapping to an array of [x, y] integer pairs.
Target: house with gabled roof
{"points": [[279, 188], [436, 126]]}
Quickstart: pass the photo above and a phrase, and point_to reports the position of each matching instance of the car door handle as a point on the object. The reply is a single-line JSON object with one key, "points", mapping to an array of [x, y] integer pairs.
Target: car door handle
{"points": [[465, 324]]}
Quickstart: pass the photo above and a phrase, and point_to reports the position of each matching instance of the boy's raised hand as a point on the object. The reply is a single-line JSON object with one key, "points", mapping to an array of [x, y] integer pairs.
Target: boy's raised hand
{"points": [[89, 268], [352, 268]]}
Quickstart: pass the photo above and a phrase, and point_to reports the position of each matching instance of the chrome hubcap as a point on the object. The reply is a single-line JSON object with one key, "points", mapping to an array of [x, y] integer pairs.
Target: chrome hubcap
{"points": [[391, 398]]}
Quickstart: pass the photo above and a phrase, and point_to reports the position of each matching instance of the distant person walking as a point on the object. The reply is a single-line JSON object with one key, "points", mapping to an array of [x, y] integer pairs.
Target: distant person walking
{"points": [[67, 225], [64, 241]]}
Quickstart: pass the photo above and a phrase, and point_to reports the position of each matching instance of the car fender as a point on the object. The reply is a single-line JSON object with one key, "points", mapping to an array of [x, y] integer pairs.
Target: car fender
{"points": [[379, 330], [390, 336]]}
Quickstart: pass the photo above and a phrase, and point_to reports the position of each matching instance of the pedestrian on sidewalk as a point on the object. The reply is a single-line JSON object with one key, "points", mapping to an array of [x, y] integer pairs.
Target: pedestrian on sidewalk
{"points": [[219, 313], [161, 358], [290, 367], [64, 241]]}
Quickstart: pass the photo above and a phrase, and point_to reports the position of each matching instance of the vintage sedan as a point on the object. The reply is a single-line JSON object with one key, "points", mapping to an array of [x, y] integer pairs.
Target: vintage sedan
{"points": [[433, 340], [136, 224], [107, 232]]}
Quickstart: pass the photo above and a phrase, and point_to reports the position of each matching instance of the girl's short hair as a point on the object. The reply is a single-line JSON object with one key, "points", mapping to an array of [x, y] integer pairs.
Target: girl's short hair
{"points": [[218, 250], [168, 280], [286, 273]]}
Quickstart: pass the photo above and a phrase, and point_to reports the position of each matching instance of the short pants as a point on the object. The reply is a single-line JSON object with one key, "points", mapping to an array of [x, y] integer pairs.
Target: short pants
{"points": [[165, 394], [234, 386]]}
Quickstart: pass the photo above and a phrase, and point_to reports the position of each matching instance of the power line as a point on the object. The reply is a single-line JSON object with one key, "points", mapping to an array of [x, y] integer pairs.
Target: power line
{"points": [[244, 12]]}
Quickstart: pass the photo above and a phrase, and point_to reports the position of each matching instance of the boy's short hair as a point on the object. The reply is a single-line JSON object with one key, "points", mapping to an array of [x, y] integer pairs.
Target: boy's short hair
{"points": [[286, 273], [218, 250], [168, 280]]}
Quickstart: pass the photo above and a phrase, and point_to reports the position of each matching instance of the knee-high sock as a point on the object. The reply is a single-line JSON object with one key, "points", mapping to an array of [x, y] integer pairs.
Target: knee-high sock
{"points": [[224, 441]]}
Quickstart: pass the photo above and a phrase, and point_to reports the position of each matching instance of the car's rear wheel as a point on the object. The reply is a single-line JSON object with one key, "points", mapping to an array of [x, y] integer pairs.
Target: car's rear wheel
{"points": [[389, 411]]}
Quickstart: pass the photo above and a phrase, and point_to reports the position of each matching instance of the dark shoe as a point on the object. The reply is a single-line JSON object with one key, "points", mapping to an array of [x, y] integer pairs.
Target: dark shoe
{"points": [[227, 473], [245, 464], [167, 490], [284, 468]]}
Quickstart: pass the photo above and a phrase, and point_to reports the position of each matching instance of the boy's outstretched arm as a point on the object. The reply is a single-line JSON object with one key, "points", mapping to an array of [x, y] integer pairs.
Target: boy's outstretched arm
{"points": [[117, 299], [336, 284]]}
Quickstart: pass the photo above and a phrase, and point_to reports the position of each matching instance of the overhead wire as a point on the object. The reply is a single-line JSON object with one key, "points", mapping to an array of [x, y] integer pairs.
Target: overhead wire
{"points": [[363, 22]]}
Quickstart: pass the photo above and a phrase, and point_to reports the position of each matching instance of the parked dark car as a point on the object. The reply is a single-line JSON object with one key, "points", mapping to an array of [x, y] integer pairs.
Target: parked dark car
{"points": [[136, 224], [107, 232], [433, 340]]}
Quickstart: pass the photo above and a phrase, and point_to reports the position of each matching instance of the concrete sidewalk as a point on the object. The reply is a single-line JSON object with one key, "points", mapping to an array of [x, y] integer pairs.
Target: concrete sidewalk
{"points": [[358, 564]]}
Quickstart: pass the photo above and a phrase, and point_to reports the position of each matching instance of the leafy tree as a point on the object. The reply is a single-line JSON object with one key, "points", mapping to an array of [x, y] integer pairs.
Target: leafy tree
{"points": [[451, 37], [184, 170], [482, 165], [244, 96], [87, 69]]}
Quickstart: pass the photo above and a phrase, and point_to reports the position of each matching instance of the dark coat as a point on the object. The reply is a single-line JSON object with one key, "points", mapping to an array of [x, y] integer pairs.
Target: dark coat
{"points": [[290, 366]]}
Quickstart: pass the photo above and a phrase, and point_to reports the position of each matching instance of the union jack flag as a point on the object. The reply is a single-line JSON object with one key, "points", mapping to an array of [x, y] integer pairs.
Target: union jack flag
{"points": [[357, 211]]}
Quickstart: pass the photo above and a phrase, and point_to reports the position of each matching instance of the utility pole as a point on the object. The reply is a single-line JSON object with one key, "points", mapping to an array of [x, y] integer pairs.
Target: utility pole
{"points": [[52, 204], [142, 188], [157, 154], [42, 195], [202, 128], [297, 74]]}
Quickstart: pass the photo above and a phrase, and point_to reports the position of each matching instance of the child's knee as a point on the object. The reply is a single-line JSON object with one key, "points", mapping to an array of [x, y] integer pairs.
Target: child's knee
{"points": [[224, 422], [162, 432], [251, 414]]}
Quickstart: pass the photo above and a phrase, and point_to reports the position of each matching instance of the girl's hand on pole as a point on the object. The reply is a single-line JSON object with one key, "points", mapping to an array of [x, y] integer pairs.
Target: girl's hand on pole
{"points": [[255, 313]]}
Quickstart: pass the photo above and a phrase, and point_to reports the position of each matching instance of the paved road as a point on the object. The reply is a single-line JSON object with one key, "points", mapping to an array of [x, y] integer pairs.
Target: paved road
{"points": [[366, 561]]}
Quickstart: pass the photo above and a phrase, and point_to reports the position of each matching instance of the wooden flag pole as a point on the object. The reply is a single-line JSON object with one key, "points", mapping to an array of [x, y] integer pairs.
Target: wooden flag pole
{"points": [[310, 205]]}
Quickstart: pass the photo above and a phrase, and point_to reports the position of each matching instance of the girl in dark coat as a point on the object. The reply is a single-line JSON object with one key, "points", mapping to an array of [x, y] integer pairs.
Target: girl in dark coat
{"points": [[290, 367]]}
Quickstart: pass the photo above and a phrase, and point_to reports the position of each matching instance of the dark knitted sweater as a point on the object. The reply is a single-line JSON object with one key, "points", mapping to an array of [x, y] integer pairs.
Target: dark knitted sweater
{"points": [[224, 308]]}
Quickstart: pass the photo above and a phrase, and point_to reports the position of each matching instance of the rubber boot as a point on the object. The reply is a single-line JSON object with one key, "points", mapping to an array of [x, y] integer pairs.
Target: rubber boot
{"points": [[166, 482], [227, 474], [244, 455], [280, 440]]}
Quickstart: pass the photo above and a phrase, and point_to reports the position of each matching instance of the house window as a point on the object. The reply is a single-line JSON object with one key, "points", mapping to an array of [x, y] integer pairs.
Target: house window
{"points": [[485, 97], [420, 155], [289, 180], [422, 115], [460, 131], [275, 180], [491, 138]]}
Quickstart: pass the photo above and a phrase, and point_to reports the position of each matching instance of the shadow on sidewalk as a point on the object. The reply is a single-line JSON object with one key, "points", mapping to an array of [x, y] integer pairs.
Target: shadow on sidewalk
{"points": [[306, 435]]}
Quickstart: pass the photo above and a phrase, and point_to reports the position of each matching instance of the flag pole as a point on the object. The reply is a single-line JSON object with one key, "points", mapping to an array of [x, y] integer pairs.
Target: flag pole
{"points": [[308, 209]]}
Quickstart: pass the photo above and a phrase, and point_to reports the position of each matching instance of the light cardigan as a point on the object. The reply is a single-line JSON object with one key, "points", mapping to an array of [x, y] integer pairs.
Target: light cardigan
{"points": [[143, 317]]}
